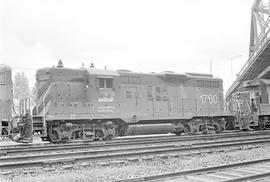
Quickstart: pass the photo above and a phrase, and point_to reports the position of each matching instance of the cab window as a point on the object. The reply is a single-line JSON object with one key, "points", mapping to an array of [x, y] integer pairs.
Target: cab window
{"points": [[149, 93], [128, 94], [105, 83], [200, 83], [215, 84], [207, 84]]}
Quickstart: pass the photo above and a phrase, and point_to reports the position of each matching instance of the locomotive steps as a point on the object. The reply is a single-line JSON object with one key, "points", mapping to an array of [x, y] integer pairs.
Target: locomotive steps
{"points": [[34, 159]]}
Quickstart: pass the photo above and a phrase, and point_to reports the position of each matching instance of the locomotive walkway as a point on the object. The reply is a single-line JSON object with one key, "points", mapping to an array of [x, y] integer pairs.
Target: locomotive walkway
{"points": [[128, 151]]}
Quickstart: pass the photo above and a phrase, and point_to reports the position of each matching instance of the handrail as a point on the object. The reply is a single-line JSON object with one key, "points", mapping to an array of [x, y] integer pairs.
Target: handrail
{"points": [[44, 107], [45, 96]]}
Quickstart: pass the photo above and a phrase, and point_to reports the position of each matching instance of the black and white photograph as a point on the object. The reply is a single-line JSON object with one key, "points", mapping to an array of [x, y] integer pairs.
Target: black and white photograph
{"points": [[134, 91]]}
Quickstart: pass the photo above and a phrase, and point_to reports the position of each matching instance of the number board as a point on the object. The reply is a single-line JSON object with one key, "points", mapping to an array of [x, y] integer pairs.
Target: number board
{"points": [[208, 99]]}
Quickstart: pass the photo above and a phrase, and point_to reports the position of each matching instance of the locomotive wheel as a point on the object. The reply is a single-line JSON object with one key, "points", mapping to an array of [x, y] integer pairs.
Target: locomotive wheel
{"points": [[98, 134], [180, 130], [110, 130], [77, 135], [54, 137], [217, 128], [4, 134], [206, 129], [44, 138], [107, 138], [261, 125]]}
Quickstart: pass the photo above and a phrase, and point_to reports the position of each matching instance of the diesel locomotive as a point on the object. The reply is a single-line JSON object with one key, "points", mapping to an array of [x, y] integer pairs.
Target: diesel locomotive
{"points": [[16, 126], [90, 103], [250, 105], [5, 100]]}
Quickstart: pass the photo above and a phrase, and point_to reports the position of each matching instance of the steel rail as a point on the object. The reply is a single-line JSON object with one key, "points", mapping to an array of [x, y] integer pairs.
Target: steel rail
{"points": [[167, 146], [121, 143], [122, 140], [145, 137]]}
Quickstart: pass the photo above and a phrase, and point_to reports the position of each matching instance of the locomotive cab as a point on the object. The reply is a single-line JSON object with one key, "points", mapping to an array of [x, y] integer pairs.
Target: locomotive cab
{"points": [[102, 85]]}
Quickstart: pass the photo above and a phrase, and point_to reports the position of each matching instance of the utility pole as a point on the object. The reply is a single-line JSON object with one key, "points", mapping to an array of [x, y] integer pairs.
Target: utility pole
{"points": [[231, 70], [231, 59]]}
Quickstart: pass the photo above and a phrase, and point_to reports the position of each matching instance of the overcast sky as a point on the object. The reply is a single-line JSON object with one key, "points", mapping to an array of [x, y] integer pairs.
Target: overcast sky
{"points": [[139, 35]]}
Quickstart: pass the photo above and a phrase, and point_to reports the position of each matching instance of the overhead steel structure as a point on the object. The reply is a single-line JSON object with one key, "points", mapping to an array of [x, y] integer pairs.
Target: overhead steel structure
{"points": [[258, 64]]}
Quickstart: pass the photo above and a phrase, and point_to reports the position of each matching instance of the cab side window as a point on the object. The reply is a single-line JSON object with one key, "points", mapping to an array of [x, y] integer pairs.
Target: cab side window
{"points": [[128, 94], [158, 94], [149, 93], [105, 83], [200, 83]]}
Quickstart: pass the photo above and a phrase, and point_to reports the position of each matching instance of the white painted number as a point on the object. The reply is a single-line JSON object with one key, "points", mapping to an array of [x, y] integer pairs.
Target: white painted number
{"points": [[208, 98]]}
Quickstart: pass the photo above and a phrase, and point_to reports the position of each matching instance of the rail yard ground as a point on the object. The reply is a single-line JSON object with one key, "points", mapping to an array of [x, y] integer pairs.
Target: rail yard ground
{"points": [[117, 169]]}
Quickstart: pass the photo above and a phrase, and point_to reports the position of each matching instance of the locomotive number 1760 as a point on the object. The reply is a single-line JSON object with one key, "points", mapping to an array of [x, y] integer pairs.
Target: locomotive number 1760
{"points": [[208, 98]]}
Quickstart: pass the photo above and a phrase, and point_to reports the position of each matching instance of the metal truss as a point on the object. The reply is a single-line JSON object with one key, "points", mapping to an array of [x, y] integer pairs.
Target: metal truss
{"points": [[259, 38], [259, 28]]}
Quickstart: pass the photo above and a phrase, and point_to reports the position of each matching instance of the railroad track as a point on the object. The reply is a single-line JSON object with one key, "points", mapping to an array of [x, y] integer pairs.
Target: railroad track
{"points": [[21, 149], [236, 172], [33, 160], [145, 138]]}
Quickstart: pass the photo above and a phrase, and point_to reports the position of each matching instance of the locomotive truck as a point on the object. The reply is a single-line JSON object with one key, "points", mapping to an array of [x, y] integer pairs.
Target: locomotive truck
{"points": [[90, 103]]}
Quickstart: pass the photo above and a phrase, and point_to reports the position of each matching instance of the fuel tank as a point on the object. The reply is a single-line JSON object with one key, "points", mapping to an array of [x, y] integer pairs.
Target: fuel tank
{"points": [[143, 129]]}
